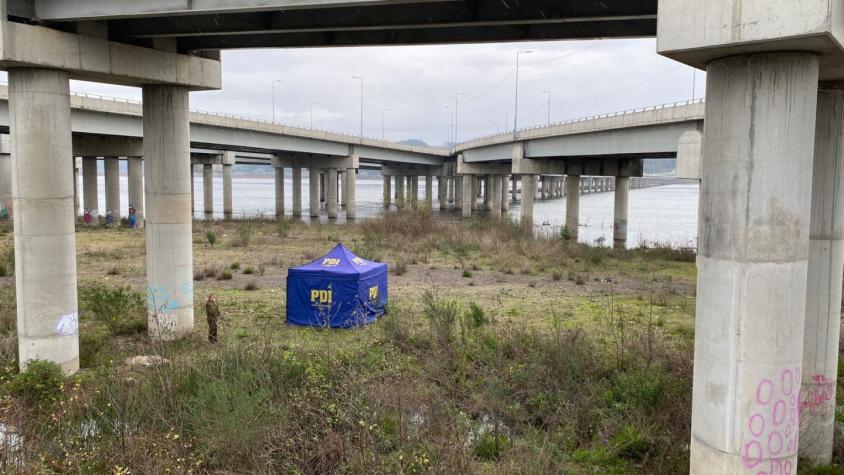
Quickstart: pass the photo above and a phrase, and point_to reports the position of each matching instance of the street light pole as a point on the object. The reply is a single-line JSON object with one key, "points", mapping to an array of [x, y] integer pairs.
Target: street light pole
{"points": [[383, 113], [450, 122], [456, 99], [516, 109], [548, 120], [273, 86], [361, 105]]}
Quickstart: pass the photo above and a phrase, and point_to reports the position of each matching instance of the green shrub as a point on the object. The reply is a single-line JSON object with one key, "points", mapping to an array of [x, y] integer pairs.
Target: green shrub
{"points": [[631, 444], [565, 233], [645, 388], [488, 447], [282, 227], [248, 271], [245, 232], [226, 275], [400, 267], [476, 316], [120, 309], [251, 285], [40, 384], [7, 261], [211, 238], [235, 266], [467, 274]]}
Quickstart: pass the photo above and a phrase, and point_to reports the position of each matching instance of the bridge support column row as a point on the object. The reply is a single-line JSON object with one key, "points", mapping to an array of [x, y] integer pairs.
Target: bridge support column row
{"points": [[350, 191], [619, 220], [505, 204], [228, 163], [401, 197], [90, 193], [528, 196], [135, 185], [314, 191], [297, 192], [388, 194], [112, 190], [278, 169], [442, 191], [429, 191], [208, 189]]}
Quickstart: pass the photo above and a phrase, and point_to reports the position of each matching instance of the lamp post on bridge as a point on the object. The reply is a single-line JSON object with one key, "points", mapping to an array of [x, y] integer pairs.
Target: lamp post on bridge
{"points": [[548, 120], [361, 105], [383, 113], [456, 101], [273, 86], [516, 107]]}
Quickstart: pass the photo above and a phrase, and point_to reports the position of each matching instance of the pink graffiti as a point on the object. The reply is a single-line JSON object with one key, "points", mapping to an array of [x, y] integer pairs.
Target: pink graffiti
{"points": [[813, 399], [770, 440]]}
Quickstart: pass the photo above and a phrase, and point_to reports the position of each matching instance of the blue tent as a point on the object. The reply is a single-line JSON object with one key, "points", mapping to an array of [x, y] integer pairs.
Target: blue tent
{"points": [[338, 290]]}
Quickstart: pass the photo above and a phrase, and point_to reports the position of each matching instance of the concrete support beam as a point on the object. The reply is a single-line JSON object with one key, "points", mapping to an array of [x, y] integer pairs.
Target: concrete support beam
{"points": [[314, 180], [90, 193], [528, 196], [332, 193], [228, 163], [77, 168], [350, 190], [619, 219], [401, 197], [429, 191], [45, 243], [112, 190], [494, 193], [573, 205], [823, 289], [387, 196], [505, 204], [414, 191], [192, 190], [135, 182], [169, 251], [752, 261], [297, 192], [469, 194], [279, 191], [442, 191], [6, 179], [208, 188]]}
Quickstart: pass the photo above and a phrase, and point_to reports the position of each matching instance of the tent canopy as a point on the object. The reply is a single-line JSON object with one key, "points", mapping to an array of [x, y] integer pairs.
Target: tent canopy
{"points": [[340, 289]]}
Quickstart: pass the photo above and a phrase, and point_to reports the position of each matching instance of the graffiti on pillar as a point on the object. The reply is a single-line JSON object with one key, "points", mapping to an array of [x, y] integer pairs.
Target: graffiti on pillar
{"points": [[770, 433], [817, 397], [133, 217], [68, 324]]}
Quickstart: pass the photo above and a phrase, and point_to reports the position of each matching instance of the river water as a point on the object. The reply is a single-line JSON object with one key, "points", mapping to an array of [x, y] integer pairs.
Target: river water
{"points": [[665, 214]]}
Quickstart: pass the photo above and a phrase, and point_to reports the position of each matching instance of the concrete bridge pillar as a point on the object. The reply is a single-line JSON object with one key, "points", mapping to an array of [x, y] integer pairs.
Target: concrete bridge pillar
{"points": [[332, 193], [350, 190], [192, 190], [752, 261], [90, 192], [169, 258], [278, 169], [475, 190], [228, 163], [823, 290], [469, 184], [135, 185], [45, 243], [414, 191], [514, 190], [505, 204], [321, 186], [450, 182], [387, 196], [573, 205], [77, 166], [457, 182], [6, 176], [619, 219], [489, 192], [442, 191], [297, 192], [494, 194], [542, 189], [314, 189], [208, 189], [111, 167], [528, 196], [401, 196], [429, 191], [341, 187]]}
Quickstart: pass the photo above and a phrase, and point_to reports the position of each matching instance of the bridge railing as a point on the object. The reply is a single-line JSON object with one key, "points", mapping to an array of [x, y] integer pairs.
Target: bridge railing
{"points": [[637, 110]]}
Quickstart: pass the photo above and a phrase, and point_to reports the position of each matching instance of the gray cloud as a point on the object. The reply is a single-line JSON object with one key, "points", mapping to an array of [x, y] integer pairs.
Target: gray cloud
{"points": [[417, 82]]}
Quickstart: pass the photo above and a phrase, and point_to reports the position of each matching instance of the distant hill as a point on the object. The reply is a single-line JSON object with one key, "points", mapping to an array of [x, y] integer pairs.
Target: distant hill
{"points": [[414, 142]]}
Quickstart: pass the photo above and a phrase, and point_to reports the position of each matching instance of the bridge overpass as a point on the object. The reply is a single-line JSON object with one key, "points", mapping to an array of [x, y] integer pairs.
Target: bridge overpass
{"points": [[769, 267]]}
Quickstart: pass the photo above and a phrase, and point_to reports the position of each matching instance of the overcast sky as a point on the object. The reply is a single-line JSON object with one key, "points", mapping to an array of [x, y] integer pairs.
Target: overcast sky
{"points": [[417, 82]]}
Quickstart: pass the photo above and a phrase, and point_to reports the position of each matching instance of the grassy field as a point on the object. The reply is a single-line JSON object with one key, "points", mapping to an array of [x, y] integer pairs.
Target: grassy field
{"points": [[500, 353]]}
